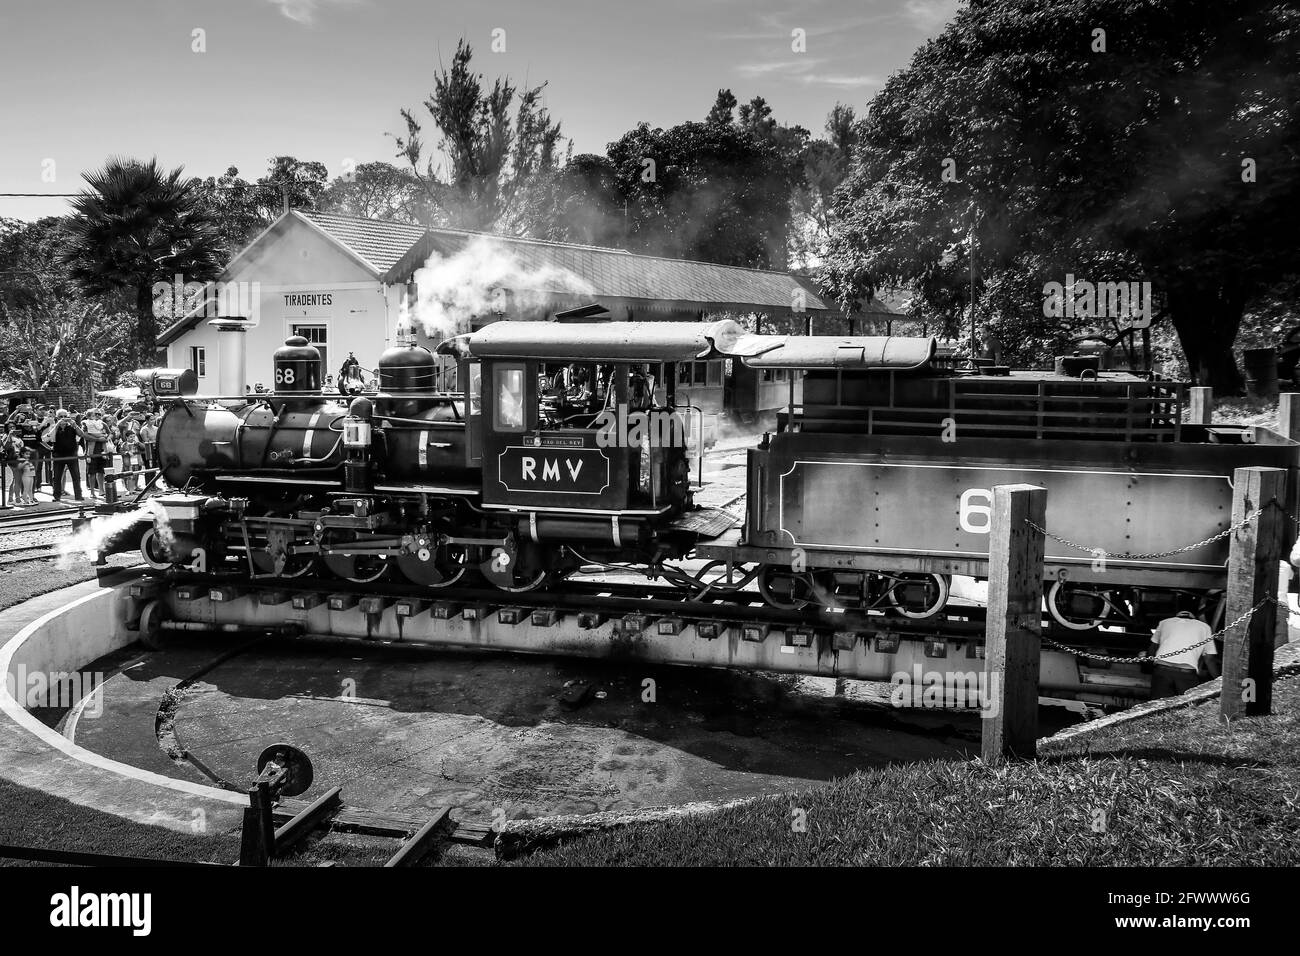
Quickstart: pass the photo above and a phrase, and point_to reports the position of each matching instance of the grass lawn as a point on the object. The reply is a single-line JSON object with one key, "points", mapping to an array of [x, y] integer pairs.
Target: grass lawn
{"points": [[33, 818], [1175, 789]]}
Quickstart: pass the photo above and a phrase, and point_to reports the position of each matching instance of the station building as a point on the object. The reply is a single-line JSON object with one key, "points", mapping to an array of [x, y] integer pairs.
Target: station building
{"points": [[342, 283]]}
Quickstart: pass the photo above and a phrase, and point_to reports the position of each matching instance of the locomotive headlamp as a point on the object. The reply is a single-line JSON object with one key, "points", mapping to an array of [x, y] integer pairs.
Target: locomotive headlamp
{"points": [[168, 382]]}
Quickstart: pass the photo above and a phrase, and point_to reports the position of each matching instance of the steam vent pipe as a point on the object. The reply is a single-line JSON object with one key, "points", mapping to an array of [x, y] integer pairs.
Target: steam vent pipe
{"points": [[232, 374]]}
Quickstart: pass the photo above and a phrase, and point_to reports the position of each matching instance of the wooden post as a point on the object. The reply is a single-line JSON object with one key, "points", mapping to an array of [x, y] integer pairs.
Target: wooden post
{"points": [[1252, 578], [1202, 406], [1013, 627], [1288, 425], [1288, 415]]}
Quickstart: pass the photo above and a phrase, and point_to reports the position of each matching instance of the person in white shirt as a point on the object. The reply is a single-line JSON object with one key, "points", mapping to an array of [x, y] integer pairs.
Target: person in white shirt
{"points": [[1182, 664]]}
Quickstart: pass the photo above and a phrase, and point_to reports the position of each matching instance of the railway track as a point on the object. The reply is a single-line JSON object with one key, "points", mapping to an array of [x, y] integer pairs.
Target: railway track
{"points": [[7, 557], [20, 521]]}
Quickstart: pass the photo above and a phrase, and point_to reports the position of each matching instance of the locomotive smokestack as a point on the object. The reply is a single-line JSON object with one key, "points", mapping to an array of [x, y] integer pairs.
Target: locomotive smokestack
{"points": [[231, 361]]}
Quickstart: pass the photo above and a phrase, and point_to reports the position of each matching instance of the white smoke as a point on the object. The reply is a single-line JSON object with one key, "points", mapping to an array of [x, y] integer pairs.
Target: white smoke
{"points": [[91, 537], [483, 278]]}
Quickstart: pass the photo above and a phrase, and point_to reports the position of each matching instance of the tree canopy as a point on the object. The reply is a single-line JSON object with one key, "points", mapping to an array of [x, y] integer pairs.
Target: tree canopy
{"points": [[1117, 140]]}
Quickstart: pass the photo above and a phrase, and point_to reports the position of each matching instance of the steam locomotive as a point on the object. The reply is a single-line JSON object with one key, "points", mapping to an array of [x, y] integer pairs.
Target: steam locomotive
{"points": [[874, 491]]}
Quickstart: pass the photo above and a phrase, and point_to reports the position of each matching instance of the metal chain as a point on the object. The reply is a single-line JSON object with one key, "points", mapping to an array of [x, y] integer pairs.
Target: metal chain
{"points": [[1244, 618], [1153, 554]]}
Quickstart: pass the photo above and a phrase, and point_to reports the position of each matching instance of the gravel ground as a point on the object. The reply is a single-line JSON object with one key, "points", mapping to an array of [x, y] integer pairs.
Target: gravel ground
{"points": [[22, 581]]}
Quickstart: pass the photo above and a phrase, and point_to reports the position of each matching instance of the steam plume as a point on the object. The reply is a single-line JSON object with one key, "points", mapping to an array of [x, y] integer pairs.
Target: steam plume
{"points": [[483, 278]]}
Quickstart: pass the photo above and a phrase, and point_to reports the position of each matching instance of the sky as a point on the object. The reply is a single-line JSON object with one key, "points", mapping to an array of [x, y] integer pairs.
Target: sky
{"points": [[324, 79]]}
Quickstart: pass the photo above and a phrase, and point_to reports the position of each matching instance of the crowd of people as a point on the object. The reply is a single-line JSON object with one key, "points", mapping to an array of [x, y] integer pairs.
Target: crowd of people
{"points": [[42, 446]]}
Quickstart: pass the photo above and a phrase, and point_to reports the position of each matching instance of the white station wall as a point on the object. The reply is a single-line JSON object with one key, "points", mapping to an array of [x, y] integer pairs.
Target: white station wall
{"points": [[306, 284]]}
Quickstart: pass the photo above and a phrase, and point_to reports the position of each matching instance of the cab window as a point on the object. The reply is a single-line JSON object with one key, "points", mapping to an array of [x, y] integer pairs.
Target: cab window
{"points": [[475, 390], [508, 399]]}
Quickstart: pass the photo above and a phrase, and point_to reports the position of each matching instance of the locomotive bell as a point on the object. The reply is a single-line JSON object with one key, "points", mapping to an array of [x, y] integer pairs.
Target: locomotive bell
{"points": [[297, 366]]}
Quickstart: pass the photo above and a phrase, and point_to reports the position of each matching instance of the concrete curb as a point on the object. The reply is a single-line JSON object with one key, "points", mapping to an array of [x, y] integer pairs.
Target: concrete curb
{"points": [[521, 837], [79, 625]]}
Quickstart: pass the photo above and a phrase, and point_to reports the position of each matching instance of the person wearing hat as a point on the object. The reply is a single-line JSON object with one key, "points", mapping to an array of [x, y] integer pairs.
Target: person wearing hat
{"points": [[1185, 655], [64, 450]]}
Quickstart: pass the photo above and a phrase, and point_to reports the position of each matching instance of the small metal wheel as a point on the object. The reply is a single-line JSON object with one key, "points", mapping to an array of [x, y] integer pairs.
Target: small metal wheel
{"points": [[152, 616], [781, 587], [1076, 608], [297, 766], [919, 596]]}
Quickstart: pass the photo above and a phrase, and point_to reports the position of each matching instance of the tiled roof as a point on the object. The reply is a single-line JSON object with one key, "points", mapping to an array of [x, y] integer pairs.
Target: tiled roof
{"points": [[379, 242], [616, 273], [396, 250]]}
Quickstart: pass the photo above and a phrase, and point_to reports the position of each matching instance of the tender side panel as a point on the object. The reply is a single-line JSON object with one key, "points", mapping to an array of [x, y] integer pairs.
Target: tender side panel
{"points": [[912, 503]]}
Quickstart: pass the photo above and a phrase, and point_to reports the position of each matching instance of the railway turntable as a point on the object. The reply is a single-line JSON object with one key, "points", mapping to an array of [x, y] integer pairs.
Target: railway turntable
{"points": [[555, 503]]}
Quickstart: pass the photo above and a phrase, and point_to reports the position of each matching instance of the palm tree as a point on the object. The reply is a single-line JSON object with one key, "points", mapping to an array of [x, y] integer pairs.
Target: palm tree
{"points": [[135, 226]]}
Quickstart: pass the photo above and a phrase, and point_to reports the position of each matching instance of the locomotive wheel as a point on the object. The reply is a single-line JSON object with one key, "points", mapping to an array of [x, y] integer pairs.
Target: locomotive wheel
{"points": [[441, 568], [522, 582], [295, 565], [780, 587], [1063, 603], [922, 595], [518, 571], [357, 568], [153, 551]]}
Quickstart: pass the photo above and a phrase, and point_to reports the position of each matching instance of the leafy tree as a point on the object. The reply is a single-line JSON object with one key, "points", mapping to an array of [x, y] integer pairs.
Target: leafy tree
{"points": [[491, 159], [723, 110], [703, 191], [49, 334], [241, 209], [51, 342], [377, 191], [586, 205], [1068, 157], [28, 254], [137, 225], [826, 163]]}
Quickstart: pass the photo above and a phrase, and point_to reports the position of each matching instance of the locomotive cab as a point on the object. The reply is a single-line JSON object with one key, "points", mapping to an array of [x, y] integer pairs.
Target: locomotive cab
{"points": [[589, 437]]}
